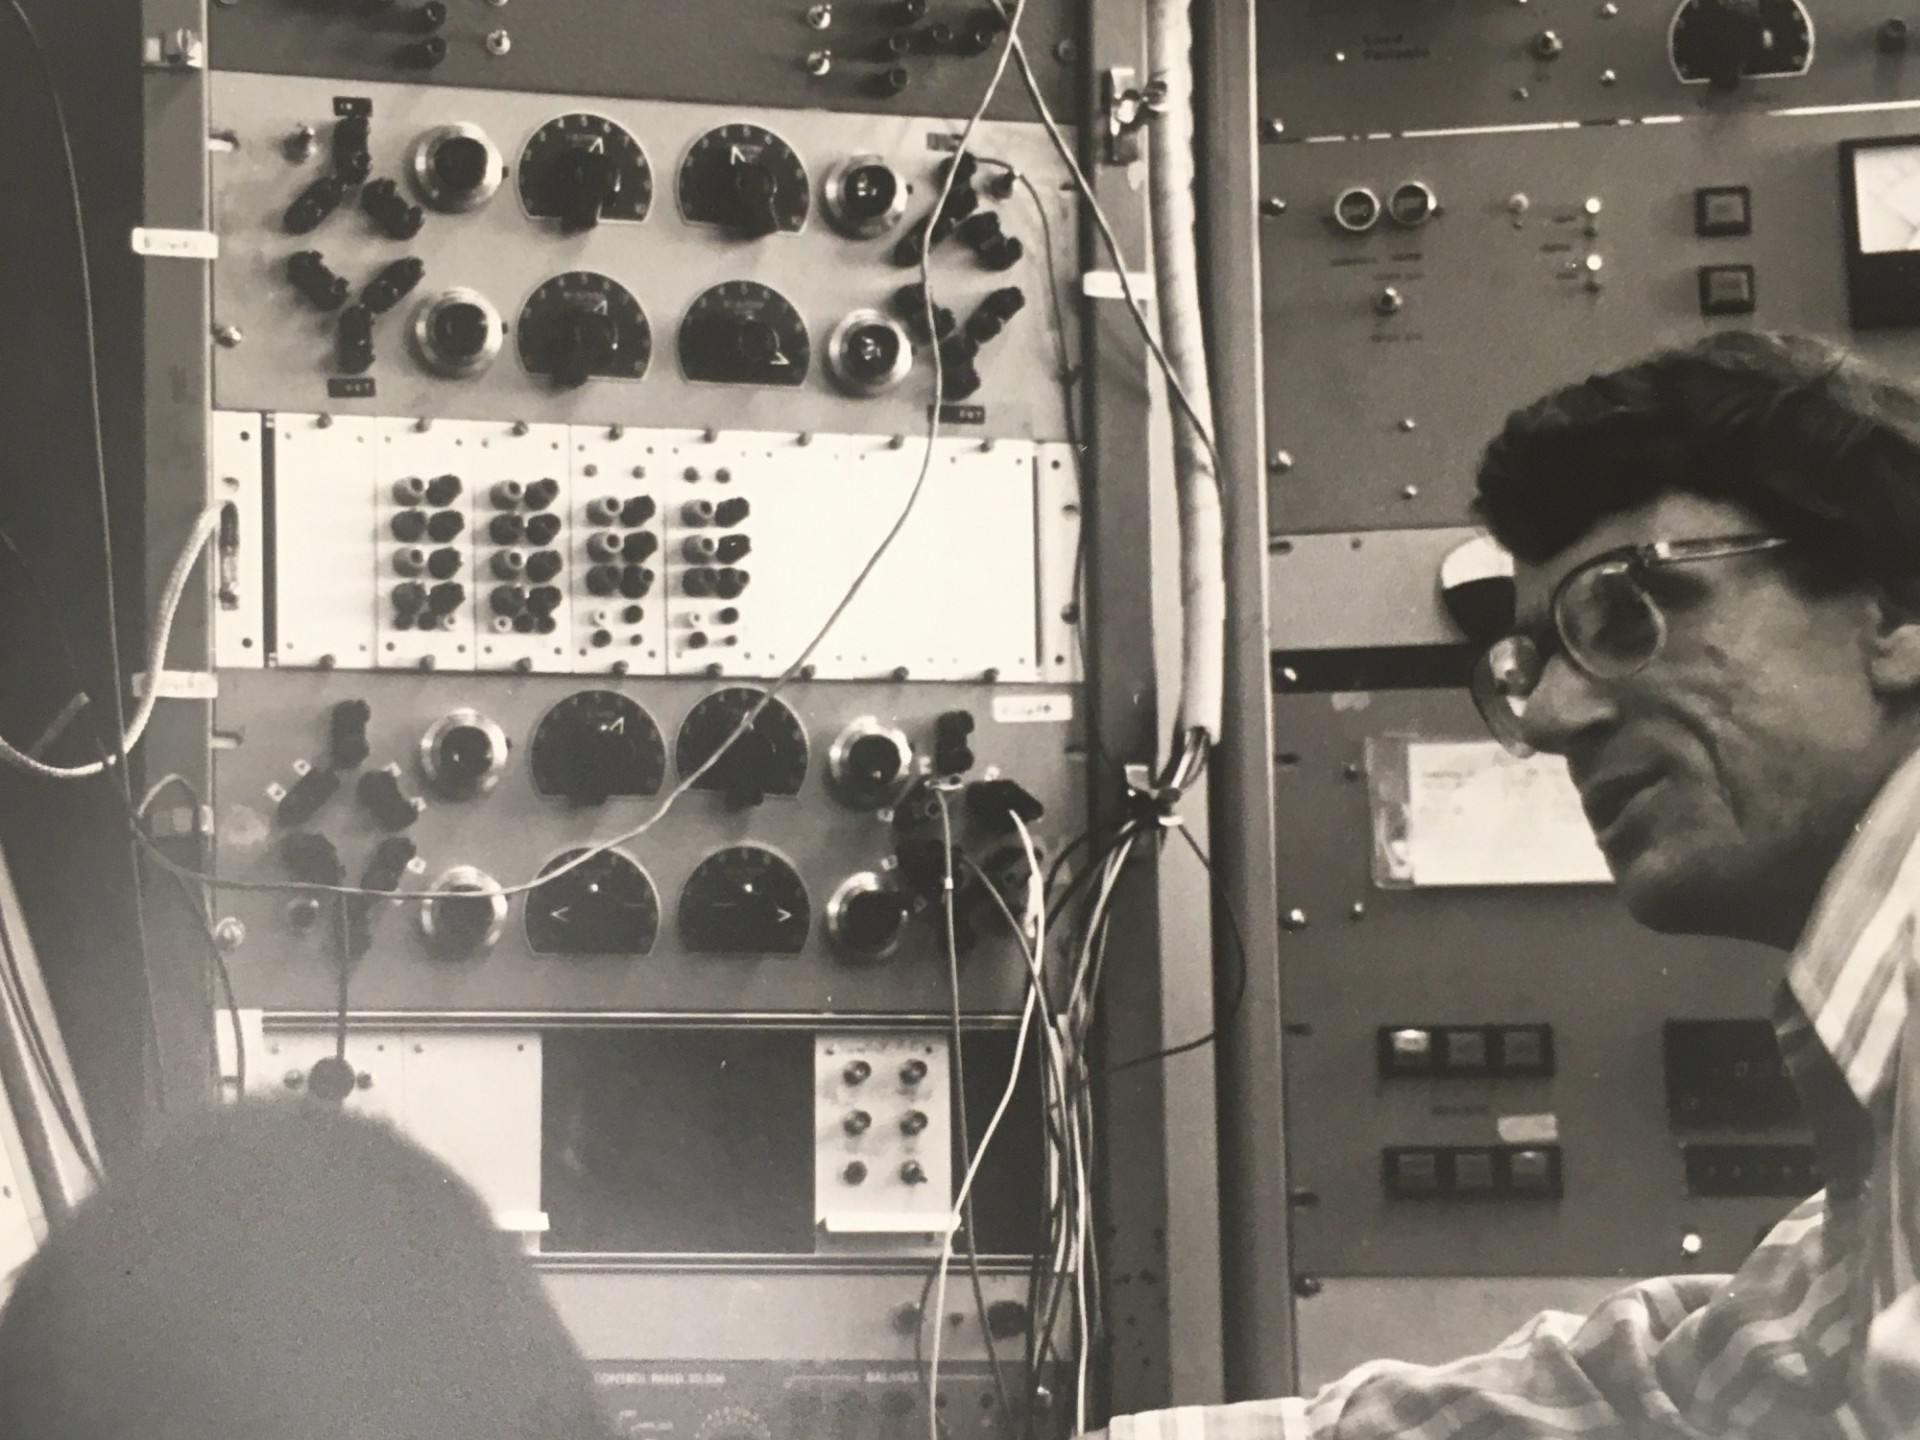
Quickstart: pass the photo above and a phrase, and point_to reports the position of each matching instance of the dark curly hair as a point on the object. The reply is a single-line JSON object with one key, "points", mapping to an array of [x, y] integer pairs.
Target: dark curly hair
{"points": [[1821, 448], [285, 1269]]}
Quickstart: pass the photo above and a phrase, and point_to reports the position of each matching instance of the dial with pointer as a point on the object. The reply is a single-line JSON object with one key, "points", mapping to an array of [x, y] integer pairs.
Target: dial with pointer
{"points": [[744, 900], [744, 333], [604, 906], [582, 326], [746, 179], [595, 745], [581, 169], [769, 758]]}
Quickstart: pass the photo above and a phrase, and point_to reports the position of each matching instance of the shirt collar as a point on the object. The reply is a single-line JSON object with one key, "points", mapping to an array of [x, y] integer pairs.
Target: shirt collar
{"points": [[1847, 971]]}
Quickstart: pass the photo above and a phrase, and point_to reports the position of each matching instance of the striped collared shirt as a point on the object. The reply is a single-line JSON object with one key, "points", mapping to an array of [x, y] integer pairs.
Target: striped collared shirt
{"points": [[1816, 1336]]}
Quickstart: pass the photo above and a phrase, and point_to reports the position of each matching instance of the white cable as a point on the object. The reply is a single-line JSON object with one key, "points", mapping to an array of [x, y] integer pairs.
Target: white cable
{"points": [[170, 598]]}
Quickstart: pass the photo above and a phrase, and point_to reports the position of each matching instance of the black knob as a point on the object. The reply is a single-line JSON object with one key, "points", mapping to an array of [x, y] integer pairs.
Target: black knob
{"points": [[422, 54], [913, 1072], [542, 565], [446, 597], [912, 1172], [873, 760], [640, 546], [409, 597], [1002, 254], [582, 182], [731, 511], [891, 81], [443, 489], [755, 196], [459, 330], [460, 164], [868, 192], [754, 342], [582, 344], [541, 494], [543, 599], [509, 600], [638, 510], [952, 755], [331, 1080], [379, 791], [313, 206], [732, 548], [317, 284], [729, 583], [445, 525], [463, 758], [508, 564], [1730, 37], [353, 342], [870, 921], [347, 722], [635, 581], [427, 17], [391, 211], [352, 155], [392, 285], [542, 529], [698, 583], [444, 563], [871, 352], [506, 529], [913, 1122], [856, 1122], [603, 579], [408, 526], [856, 1072]]}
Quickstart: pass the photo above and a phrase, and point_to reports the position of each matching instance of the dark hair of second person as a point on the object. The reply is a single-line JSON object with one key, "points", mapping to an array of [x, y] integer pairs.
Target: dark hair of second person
{"points": [[286, 1271]]}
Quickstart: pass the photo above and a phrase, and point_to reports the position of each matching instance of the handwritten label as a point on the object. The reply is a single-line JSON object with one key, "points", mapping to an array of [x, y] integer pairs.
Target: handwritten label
{"points": [[1032, 709]]}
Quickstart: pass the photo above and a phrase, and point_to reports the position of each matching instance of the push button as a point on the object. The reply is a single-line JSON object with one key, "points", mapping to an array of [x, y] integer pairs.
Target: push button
{"points": [[1465, 1052], [1413, 1174], [1726, 290], [1533, 1172], [1407, 1051], [1526, 1050], [1473, 1172], [1721, 210]]}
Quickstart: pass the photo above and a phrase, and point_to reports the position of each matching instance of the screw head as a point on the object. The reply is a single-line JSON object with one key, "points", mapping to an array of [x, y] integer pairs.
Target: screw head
{"points": [[1295, 919], [1272, 129], [820, 62], [229, 934], [1280, 462], [228, 336], [499, 42], [1273, 205]]}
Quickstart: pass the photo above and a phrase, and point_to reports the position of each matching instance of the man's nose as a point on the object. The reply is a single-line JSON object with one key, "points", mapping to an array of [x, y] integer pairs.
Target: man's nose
{"points": [[1566, 704]]}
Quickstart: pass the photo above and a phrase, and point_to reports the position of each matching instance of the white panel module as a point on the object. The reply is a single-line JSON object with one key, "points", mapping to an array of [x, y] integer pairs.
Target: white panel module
{"points": [[239, 550], [883, 1135], [517, 478], [953, 596], [1057, 519], [621, 479], [424, 558], [326, 596]]}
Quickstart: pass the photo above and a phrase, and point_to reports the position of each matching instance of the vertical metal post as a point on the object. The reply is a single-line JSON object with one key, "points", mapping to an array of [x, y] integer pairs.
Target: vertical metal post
{"points": [[1158, 1196], [178, 384], [1254, 1193]]}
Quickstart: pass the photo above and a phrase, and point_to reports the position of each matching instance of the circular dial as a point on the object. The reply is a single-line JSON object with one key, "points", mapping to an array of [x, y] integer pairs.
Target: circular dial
{"points": [[869, 353], [455, 168], [869, 764], [582, 326], [769, 759], [463, 754], [744, 333], [865, 917], [744, 900], [456, 333], [1718, 42], [466, 915], [581, 169], [597, 744], [746, 179], [864, 196], [604, 906]]}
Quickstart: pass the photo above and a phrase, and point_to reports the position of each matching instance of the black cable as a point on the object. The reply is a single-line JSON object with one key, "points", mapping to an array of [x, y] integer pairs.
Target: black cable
{"points": [[1240, 973], [118, 748]]}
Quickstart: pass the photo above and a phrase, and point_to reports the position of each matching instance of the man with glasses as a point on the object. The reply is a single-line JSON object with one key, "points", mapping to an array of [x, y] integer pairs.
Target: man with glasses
{"points": [[1717, 623]]}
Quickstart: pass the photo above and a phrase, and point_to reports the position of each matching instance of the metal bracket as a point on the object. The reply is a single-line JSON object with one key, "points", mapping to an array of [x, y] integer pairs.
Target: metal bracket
{"points": [[174, 50], [1129, 108]]}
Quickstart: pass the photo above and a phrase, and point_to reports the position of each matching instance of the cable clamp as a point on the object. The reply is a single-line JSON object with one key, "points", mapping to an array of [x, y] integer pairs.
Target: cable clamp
{"points": [[1130, 107], [1148, 803]]}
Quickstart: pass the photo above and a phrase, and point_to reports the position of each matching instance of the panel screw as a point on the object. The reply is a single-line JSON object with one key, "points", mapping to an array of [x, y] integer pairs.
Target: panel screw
{"points": [[1271, 130], [1280, 462], [1409, 492], [1306, 1287], [520, 427], [1350, 771], [1607, 77], [229, 934], [1359, 910], [227, 336], [820, 16], [1409, 424], [1273, 205], [499, 42], [293, 1079], [1295, 919], [820, 62]]}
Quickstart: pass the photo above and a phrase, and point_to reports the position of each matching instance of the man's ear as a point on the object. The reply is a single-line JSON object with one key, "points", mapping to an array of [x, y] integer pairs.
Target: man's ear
{"points": [[1894, 655]]}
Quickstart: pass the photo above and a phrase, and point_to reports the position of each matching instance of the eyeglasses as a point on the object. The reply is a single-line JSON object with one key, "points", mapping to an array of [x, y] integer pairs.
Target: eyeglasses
{"points": [[1605, 622]]}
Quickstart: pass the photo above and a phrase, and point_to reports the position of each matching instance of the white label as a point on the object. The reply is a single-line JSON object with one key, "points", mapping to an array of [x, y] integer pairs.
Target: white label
{"points": [[1032, 709], [1528, 1129], [176, 244], [181, 685], [1105, 285]]}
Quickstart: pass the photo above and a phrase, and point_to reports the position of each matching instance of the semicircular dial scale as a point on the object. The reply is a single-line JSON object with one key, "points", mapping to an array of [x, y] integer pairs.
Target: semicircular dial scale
{"points": [[581, 169], [744, 900], [768, 758], [744, 333], [594, 745], [584, 326], [606, 905], [746, 179]]}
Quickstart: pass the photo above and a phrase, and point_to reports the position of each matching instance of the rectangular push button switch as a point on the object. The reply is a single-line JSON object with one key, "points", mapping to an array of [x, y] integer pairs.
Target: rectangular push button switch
{"points": [[1406, 1050], [1726, 290], [1412, 1174], [1466, 1052], [1473, 1172], [1526, 1049], [1533, 1172], [1720, 210]]}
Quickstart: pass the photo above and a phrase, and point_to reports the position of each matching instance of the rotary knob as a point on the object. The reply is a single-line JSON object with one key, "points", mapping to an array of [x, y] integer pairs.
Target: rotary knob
{"points": [[466, 914], [864, 197], [582, 183], [455, 168], [865, 917], [869, 353], [583, 343], [869, 763], [457, 334], [463, 754]]}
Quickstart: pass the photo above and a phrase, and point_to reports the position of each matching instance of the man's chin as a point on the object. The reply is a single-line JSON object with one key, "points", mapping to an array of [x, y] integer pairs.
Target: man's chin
{"points": [[1661, 898]]}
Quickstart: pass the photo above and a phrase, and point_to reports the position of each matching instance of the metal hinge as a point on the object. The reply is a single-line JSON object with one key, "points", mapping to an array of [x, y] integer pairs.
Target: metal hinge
{"points": [[174, 50]]}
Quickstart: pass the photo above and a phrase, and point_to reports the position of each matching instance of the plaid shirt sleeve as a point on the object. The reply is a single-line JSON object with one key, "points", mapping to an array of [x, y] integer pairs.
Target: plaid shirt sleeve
{"points": [[1761, 1354]]}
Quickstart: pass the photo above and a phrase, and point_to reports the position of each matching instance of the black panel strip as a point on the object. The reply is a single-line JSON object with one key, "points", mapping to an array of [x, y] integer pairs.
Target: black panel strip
{"points": [[1405, 667]]}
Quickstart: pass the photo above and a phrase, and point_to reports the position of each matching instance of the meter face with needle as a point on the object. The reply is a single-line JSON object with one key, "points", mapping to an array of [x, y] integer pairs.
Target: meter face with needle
{"points": [[605, 906], [744, 900]]}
